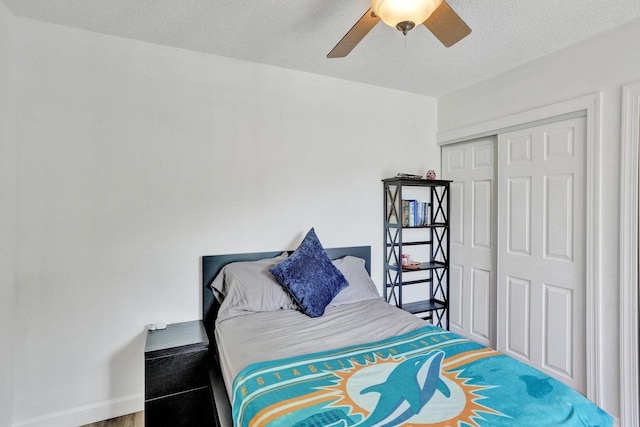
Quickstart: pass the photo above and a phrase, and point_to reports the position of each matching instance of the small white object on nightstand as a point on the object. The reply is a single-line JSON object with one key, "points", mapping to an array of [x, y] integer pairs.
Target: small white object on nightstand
{"points": [[157, 326]]}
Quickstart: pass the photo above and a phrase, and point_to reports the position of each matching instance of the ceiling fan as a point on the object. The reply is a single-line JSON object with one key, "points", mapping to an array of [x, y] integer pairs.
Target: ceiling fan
{"points": [[404, 15]]}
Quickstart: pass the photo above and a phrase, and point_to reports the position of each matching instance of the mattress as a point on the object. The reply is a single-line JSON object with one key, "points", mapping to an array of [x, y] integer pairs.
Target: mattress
{"points": [[272, 335]]}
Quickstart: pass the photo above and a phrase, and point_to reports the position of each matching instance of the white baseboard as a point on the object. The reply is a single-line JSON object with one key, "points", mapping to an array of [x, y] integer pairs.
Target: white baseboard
{"points": [[87, 414]]}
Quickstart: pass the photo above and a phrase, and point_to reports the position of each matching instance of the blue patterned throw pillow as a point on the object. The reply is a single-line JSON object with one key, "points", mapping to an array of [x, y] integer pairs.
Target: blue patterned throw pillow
{"points": [[310, 276]]}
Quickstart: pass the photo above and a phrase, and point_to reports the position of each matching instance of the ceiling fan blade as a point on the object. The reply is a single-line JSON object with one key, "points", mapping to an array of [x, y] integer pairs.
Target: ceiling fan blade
{"points": [[355, 35], [447, 26]]}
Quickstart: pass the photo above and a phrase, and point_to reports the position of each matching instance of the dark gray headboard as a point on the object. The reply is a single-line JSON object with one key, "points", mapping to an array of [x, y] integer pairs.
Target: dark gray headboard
{"points": [[211, 265]]}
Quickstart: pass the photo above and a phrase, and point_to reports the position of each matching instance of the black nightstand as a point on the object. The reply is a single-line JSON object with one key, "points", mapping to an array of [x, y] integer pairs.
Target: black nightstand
{"points": [[177, 386]]}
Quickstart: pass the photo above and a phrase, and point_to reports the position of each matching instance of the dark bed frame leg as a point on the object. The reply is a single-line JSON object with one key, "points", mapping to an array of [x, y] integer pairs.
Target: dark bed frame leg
{"points": [[220, 399]]}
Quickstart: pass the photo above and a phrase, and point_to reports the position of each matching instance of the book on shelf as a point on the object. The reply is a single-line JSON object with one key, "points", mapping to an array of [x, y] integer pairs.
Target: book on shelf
{"points": [[415, 213], [406, 208], [408, 175]]}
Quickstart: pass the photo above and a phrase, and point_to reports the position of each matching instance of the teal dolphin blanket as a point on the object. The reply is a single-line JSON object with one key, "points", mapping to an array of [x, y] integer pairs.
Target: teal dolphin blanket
{"points": [[429, 377]]}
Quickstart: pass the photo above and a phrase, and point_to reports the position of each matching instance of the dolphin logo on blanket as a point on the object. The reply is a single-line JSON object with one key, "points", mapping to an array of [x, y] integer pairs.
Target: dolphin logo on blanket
{"points": [[408, 388]]}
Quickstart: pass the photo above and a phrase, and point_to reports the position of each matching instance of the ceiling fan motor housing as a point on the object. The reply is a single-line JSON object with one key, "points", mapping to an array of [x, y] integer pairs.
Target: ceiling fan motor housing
{"points": [[405, 26]]}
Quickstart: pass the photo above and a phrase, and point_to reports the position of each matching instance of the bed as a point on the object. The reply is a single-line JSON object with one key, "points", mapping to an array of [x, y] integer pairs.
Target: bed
{"points": [[362, 362]]}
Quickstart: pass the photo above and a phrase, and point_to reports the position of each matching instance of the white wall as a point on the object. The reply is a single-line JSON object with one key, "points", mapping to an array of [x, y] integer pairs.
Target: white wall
{"points": [[603, 63], [134, 160], [8, 199]]}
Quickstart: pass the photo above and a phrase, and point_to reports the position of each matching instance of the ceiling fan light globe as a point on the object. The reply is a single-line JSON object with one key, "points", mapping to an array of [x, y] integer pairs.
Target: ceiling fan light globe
{"points": [[394, 12]]}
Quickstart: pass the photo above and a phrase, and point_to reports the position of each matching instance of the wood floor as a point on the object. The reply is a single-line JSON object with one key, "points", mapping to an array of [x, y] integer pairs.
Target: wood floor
{"points": [[131, 420]]}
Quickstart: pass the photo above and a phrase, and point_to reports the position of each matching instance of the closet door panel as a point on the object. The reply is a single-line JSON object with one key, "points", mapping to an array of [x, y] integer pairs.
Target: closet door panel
{"points": [[482, 201], [541, 240], [481, 294], [473, 228], [518, 294]]}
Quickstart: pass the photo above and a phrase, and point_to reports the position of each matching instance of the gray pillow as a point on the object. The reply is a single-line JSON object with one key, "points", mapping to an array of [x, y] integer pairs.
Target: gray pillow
{"points": [[247, 287], [361, 287]]}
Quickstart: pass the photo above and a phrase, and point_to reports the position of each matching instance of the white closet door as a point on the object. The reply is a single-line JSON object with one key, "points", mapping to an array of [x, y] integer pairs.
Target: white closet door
{"points": [[472, 216], [541, 248]]}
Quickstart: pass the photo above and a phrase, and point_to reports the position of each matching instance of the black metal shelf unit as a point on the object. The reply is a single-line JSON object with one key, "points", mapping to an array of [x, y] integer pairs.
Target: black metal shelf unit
{"points": [[430, 235]]}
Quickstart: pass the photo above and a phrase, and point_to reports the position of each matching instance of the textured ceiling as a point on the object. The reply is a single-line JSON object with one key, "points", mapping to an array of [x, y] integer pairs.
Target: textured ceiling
{"points": [[298, 34]]}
